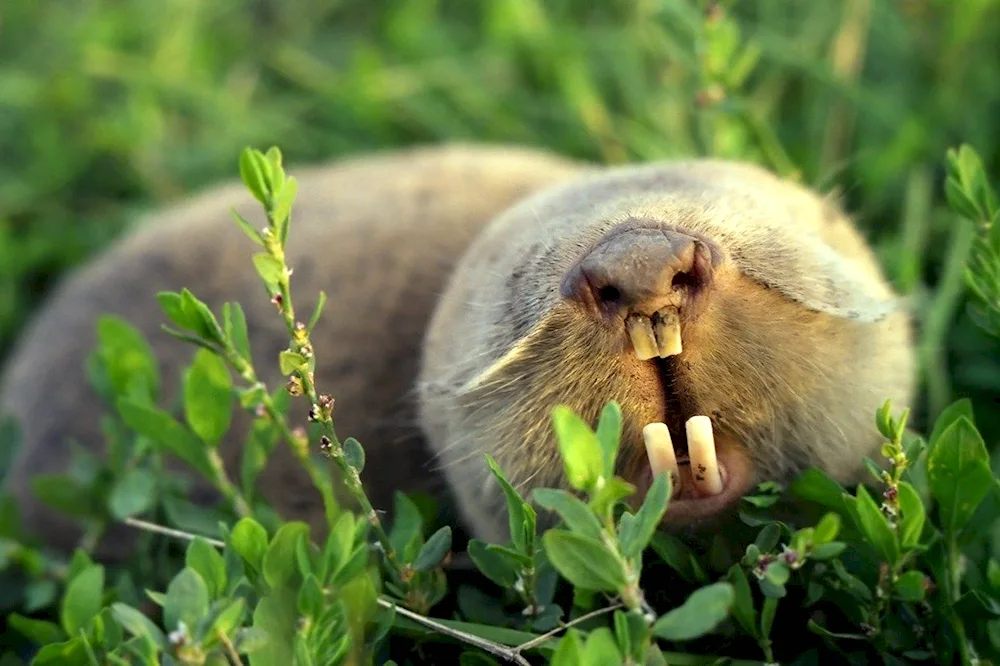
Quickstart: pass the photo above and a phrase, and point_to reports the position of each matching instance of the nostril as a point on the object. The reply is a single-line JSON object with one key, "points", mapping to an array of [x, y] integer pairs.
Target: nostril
{"points": [[608, 295], [685, 280]]}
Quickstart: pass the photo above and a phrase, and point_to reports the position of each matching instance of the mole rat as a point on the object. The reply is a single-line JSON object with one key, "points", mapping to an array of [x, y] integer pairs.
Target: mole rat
{"points": [[740, 320]]}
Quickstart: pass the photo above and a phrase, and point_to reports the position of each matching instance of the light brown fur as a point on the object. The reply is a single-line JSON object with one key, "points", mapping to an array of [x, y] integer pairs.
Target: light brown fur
{"points": [[797, 348]]}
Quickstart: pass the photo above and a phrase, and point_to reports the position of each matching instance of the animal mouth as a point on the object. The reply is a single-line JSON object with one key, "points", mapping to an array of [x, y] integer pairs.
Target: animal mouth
{"points": [[709, 469]]}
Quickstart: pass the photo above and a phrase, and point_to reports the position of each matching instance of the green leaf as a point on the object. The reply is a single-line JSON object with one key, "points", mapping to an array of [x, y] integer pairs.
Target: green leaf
{"points": [[290, 362], [82, 600], [767, 614], [609, 432], [778, 572], [80, 563], [208, 400], [354, 453], [311, 602], [407, 527], [648, 517], [601, 648], [261, 440], [959, 473], [432, 552], [678, 556], [73, 651], [64, 494], [569, 651], [911, 524], [827, 529], [138, 624], [518, 510], [235, 323], [317, 312], [197, 519], [160, 427], [579, 448], [493, 565], [874, 525], [701, 613], [205, 559], [883, 420], [254, 173], [40, 632], [170, 303], [275, 616], [283, 203], [574, 513], [270, 269], [743, 607], [610, 493], [948, 416], [825, 551], [768, 538], [227, 621], [186, 600], [247, 228], [202, 320], [249, 539], [910, 586], [126, 354], [584, 561], [279, 560], [352, 566], [39, 594], [814, 485], [133, 493]]}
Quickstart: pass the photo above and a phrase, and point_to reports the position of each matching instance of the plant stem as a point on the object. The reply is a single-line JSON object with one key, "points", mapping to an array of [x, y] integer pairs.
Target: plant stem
{"points": [[954, 586], [320, 409], [951, 287], [225, 486]]}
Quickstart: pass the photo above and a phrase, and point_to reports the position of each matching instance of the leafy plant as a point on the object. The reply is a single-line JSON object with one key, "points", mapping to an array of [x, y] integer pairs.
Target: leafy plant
{"points": [[905, 569]]}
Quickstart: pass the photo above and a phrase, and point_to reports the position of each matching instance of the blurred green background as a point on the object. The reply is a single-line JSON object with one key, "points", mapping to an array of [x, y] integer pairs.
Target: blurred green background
{"points": [[111, 108]]}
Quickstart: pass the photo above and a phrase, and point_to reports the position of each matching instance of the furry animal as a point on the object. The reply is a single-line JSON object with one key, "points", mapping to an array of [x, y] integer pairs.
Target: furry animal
{"points": [[473, 288]]}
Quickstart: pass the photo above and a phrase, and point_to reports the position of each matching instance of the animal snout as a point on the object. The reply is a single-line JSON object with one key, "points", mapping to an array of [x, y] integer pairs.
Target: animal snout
{"points": [[640, 271]]}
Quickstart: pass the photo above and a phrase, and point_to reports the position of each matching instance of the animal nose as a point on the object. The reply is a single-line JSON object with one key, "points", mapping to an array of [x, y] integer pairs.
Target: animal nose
{"points": [[640, 271]]}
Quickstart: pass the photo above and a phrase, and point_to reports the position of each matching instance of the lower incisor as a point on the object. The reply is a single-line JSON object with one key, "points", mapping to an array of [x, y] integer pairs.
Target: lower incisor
{"points": [[701, 449]]}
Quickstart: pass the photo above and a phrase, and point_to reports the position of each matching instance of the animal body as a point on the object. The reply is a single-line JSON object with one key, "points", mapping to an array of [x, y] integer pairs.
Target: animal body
{"points": [[473, 288]]}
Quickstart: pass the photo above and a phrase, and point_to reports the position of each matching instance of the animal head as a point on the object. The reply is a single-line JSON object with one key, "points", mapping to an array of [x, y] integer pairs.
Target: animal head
{"points": [[690, 289]]}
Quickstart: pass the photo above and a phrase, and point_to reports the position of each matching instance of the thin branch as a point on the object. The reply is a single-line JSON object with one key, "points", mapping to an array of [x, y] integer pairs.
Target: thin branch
{"points": [[167, 531], [234, 656], [535, 642], [508, 654]]}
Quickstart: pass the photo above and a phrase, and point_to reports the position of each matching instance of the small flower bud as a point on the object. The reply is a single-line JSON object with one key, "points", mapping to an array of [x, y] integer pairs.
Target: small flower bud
{"points": [[294, 386], [179, 636], [710, 96], [325, 444], [714, 12], [277, 300], [260, 410]]}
